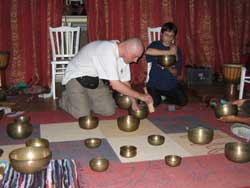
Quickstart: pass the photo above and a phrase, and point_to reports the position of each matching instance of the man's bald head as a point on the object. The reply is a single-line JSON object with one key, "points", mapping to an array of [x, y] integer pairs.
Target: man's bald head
{"points": [[131, 49]]}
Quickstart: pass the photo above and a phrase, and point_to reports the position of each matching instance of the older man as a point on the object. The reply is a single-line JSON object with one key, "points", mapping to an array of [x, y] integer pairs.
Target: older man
{"points": [[97, 61]]}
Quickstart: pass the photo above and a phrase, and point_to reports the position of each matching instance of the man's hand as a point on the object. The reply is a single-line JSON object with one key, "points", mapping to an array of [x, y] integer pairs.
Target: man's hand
{"points": [[228, 119], [146, 98]]}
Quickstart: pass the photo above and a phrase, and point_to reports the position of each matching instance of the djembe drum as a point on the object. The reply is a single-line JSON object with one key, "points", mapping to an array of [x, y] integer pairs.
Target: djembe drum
{"points": [[231, 74], [4, 60]]}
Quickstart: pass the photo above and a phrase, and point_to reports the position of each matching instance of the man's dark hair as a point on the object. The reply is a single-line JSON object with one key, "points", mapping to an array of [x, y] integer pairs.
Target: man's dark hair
{"points": [[170, 27]]}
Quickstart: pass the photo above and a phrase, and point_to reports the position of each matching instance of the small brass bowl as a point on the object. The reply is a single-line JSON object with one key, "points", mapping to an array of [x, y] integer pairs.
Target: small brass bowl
{"points": [[18, 130], [30, 159], [93, 142], [200, 135], [123, 101], [23, 119], [173, 160], [238, 152], [166, 60], [128, 123], [88, 122], [128, 151], [225, 110], [37, 142], [99, 164], [156, 140], [142, 113]]}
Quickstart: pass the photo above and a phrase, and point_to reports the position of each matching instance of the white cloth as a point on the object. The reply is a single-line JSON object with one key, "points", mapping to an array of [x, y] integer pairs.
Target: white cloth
{"points": [[99, 58]]}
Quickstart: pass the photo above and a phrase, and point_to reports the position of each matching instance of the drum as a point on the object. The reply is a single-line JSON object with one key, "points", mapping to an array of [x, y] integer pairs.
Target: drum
{"points": [[4, 61], [231, 74]]}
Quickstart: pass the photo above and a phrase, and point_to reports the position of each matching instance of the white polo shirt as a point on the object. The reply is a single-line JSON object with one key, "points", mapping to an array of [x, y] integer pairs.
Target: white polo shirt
{"points": [[99, 58]]}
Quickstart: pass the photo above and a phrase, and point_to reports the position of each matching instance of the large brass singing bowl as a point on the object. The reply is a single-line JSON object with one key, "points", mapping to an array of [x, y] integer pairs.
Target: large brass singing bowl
{"points": [[141, 113], [156, 140], [123, 101], [30, 159], [18, 130], [37, 142], [173, 160], [88, 122], [200, 135], [237, 152], [99, 164], [128, 151], [166, 60], [225, 110], [93, 142], [128, 123]]}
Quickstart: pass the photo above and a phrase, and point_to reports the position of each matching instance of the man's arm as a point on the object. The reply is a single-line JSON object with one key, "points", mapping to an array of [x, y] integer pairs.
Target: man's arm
{"points": [[235, 119], [156, 52], [127, 90]]}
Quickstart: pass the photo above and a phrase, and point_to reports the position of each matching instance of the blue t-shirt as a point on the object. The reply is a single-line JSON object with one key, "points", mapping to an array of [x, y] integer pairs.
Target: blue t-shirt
{"points": [[160, 78]]}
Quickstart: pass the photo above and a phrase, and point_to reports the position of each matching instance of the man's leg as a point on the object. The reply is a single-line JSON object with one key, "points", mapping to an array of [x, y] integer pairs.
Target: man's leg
{"points": [[155, 95], [102, 100], [176, 96], [75, 99]]}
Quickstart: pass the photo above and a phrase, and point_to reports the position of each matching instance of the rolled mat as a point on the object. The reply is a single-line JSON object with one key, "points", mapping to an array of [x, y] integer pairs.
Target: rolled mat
{"points": [[59, 173]]}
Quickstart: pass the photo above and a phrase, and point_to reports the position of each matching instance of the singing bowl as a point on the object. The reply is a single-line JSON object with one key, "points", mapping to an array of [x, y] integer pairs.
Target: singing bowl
{"points": [[166, 60], [18, 130], [141, 113], [30, 159], [237, 152], [225, 110], [88, 122], [93, 142], [37, 142], [156, 140], [128, 151], [99, 164], [23, 119], [128, 123], [173, 160], [200, 135], [123, 101]]}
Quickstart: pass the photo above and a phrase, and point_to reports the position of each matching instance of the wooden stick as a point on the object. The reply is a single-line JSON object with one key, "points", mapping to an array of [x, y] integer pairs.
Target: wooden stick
{"points": [[150, 106]]}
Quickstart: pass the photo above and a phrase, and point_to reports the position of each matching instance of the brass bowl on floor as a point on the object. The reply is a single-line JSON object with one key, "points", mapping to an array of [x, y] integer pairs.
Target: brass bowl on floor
{"points": [[200, 135], [128, 123], [166, 60], [225, 110], [128, 151], [93, 142], [238, 152], [88, 122], [173, 160], [99, 164], [141, 113], [18, 130], [156, 140], [23, 119], [123, 101], [30, 159], [37, 142]]}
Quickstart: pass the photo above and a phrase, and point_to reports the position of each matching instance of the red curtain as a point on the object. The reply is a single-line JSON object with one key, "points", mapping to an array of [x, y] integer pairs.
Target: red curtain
{"points": [[210, 32], [24, 32]]}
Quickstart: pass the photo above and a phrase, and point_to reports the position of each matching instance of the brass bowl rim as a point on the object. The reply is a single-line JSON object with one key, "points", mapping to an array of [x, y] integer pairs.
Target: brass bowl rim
{"points": [[128, 147], [25, 120], [14, 152]]}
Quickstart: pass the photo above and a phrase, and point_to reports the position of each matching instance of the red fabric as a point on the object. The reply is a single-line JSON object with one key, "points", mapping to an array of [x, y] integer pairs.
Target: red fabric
{"points": [[210, 32], [24, 32]]}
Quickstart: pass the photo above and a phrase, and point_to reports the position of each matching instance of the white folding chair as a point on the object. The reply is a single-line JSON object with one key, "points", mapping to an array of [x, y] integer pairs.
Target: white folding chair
{"points": [[154, 33], [65, 45], [243, 80]]}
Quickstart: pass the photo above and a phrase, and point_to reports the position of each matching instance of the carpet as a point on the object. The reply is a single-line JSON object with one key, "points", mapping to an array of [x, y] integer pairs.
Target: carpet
{"points": [[202, 166]]}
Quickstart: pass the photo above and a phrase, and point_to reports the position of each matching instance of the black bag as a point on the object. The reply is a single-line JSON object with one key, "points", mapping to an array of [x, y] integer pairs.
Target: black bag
{"points": [[88, 81]]}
